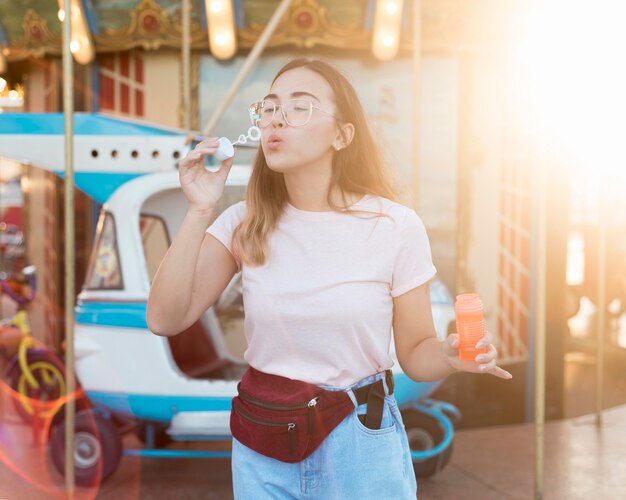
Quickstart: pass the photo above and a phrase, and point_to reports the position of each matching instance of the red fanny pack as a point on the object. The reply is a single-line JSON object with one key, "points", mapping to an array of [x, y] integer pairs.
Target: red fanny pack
{"points": [[283, 418]]}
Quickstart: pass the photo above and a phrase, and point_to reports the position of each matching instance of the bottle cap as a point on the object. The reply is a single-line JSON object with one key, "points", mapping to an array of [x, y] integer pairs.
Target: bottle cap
{"points": [[225, 149], [468, 302]]}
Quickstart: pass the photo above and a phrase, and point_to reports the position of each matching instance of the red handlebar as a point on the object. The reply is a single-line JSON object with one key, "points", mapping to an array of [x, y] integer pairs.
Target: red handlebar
{"points": [[18, 297]]}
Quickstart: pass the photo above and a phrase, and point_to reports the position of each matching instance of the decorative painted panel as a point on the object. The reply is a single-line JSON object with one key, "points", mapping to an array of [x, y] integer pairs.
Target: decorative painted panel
{"points": [[448, 26]]}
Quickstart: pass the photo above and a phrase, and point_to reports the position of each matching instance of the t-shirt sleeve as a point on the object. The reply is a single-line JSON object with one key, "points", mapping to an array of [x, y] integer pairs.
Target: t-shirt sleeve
{"points": [[413, 265], [224, 225]]}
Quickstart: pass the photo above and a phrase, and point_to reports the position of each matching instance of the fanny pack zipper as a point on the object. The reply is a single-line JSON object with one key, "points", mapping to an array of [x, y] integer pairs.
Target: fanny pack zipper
{"points": [[301, 406], [291, 427], [269, 406]]}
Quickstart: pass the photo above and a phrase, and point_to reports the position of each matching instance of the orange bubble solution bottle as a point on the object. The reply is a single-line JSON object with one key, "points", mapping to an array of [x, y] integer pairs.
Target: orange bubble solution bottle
{"points": [[470, 325]]}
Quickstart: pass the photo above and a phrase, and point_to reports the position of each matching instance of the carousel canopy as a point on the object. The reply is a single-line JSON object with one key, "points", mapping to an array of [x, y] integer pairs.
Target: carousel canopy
{"points": [[32, 27]]}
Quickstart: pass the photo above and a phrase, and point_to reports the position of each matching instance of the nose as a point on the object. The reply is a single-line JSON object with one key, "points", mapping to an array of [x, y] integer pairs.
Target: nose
{"points": [[278, 119]]}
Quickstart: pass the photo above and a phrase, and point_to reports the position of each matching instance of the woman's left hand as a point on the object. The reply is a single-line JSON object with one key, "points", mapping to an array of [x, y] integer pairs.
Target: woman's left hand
{"points": [[484, 363]]}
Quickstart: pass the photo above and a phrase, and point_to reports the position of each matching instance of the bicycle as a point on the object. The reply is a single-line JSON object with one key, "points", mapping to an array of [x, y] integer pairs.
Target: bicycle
{"points": [[33, 372]]}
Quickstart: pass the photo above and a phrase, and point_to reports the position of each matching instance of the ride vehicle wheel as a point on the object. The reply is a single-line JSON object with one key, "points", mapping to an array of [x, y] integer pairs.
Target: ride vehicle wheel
{"points": [[49, 372], [424, 432], [161, 437], [97, 448]]}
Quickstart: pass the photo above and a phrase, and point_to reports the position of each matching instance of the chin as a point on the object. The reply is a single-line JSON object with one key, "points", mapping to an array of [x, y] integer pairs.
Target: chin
{"points": [[277, 168], [279, 165]]}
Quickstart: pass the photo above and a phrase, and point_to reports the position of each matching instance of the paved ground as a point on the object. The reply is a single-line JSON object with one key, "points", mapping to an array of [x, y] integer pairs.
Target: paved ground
{"points": [[581, 461]]}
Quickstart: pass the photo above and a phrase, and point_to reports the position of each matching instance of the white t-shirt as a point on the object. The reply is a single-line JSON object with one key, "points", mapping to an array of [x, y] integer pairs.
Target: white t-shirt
{"points": [[320, 308]]}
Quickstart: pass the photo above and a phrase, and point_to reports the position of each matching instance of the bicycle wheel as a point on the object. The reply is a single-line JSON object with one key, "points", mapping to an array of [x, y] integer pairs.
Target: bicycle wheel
{"points": [[49, 373]]}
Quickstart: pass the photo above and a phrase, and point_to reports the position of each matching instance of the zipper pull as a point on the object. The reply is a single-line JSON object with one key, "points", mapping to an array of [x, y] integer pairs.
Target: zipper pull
{"points": [[312, 404], [291, 432]]}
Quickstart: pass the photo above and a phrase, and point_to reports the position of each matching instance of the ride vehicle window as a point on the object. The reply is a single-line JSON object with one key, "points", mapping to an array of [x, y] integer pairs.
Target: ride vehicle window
{"points": [[155, 241], [229, 306], [104, 271]]}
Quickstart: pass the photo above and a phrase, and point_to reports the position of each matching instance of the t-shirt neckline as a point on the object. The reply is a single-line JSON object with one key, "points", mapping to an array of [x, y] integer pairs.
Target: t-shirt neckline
{"points": [[291, 210]]}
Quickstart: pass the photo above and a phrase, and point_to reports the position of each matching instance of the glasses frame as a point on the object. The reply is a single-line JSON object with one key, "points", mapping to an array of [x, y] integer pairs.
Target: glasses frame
{"points": [[281, 106]]}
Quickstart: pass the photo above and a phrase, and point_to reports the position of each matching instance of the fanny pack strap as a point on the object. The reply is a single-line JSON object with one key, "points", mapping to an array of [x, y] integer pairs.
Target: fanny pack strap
{"points": [[374, 396]]}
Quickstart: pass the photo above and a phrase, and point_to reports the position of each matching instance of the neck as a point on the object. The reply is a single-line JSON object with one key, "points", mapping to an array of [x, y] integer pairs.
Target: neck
{"points": [[307, 189]]}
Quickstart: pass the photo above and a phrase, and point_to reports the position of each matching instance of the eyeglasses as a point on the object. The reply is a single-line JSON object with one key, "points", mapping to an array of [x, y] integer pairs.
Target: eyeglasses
{"points": [[296, 112]]}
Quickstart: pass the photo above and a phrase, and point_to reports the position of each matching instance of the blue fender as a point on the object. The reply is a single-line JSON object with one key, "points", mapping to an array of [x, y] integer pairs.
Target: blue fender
{"points": [[439, 411]]}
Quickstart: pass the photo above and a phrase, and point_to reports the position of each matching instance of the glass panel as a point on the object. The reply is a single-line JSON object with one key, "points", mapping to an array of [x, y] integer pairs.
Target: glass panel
{"points": [[155, 242], [229, 306], [104, 269]]}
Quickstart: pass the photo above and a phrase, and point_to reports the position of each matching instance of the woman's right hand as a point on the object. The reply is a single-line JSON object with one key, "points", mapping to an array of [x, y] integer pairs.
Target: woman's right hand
{"points": [[203, 188]]}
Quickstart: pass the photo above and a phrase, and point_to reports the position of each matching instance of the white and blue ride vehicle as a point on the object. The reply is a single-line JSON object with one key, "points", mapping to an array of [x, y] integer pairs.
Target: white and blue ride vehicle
{"points": [[168, 389]]}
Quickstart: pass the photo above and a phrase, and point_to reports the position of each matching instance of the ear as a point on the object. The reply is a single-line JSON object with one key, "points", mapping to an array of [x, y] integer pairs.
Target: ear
{"points": [[345, 134]]}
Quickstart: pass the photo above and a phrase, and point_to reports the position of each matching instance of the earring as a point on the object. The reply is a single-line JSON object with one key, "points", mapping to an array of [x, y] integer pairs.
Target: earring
{"points": [[337, 148]]}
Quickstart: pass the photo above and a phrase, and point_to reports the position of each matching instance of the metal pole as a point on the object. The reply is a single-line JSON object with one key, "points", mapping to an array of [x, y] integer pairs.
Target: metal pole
{"points": [[186, 48], [540, 328], [417, 60], [68, 114], [602, 228], [247, 65]]}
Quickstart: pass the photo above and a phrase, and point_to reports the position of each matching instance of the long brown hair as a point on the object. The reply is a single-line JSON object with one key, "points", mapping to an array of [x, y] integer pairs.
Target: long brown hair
{"points": [[357, 168]]}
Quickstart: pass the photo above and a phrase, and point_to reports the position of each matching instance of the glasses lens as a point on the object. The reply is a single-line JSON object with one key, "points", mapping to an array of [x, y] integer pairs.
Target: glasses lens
{"points": [[253, 112], [261, 113], [297, 112]]}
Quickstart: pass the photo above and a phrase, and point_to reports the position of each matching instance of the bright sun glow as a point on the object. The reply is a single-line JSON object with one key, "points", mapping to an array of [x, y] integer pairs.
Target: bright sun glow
{"points": [[573, 80]]}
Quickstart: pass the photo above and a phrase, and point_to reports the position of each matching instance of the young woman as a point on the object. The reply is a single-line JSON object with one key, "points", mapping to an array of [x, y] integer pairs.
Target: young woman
{"points": [[330, 263]]}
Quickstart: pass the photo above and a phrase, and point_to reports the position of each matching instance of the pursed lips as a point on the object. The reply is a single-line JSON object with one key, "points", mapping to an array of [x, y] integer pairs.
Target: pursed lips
{"points": [[274, 141]]}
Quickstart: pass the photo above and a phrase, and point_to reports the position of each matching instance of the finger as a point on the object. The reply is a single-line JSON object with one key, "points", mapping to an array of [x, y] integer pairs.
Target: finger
{"points": [[195, 155], [192, 137], [487, 367], [488, 356], [451, 345], [209, 141], [206, 149], [485, 341], [499, 372], [198, 152], [225, 168], [202, 146], [453, 340]]}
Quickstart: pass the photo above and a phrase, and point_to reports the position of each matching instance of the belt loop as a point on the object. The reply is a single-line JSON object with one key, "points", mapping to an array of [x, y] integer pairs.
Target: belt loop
{"points": [[352, 396], [385, 386], [388, 382]]}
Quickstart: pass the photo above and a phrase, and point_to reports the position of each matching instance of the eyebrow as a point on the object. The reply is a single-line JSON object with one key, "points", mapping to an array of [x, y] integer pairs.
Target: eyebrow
{"points": [[293, 94]]}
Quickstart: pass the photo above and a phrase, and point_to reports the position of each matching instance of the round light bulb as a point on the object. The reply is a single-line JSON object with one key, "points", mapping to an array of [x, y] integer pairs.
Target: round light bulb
{"points": [[388, 40], [221, 39], [216, 7], [391, 8], [61, 15]]}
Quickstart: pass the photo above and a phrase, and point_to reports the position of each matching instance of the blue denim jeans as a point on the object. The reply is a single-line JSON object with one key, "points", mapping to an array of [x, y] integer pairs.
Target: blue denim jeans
{"points": [[353, 462]]}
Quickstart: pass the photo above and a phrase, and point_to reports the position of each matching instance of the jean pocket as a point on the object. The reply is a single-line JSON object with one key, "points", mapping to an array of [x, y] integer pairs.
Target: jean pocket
{"points": [[387, 423]]}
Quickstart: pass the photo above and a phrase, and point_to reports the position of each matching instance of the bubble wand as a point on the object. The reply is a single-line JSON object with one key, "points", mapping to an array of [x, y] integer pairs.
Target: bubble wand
{"points": [[225, 148]]}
